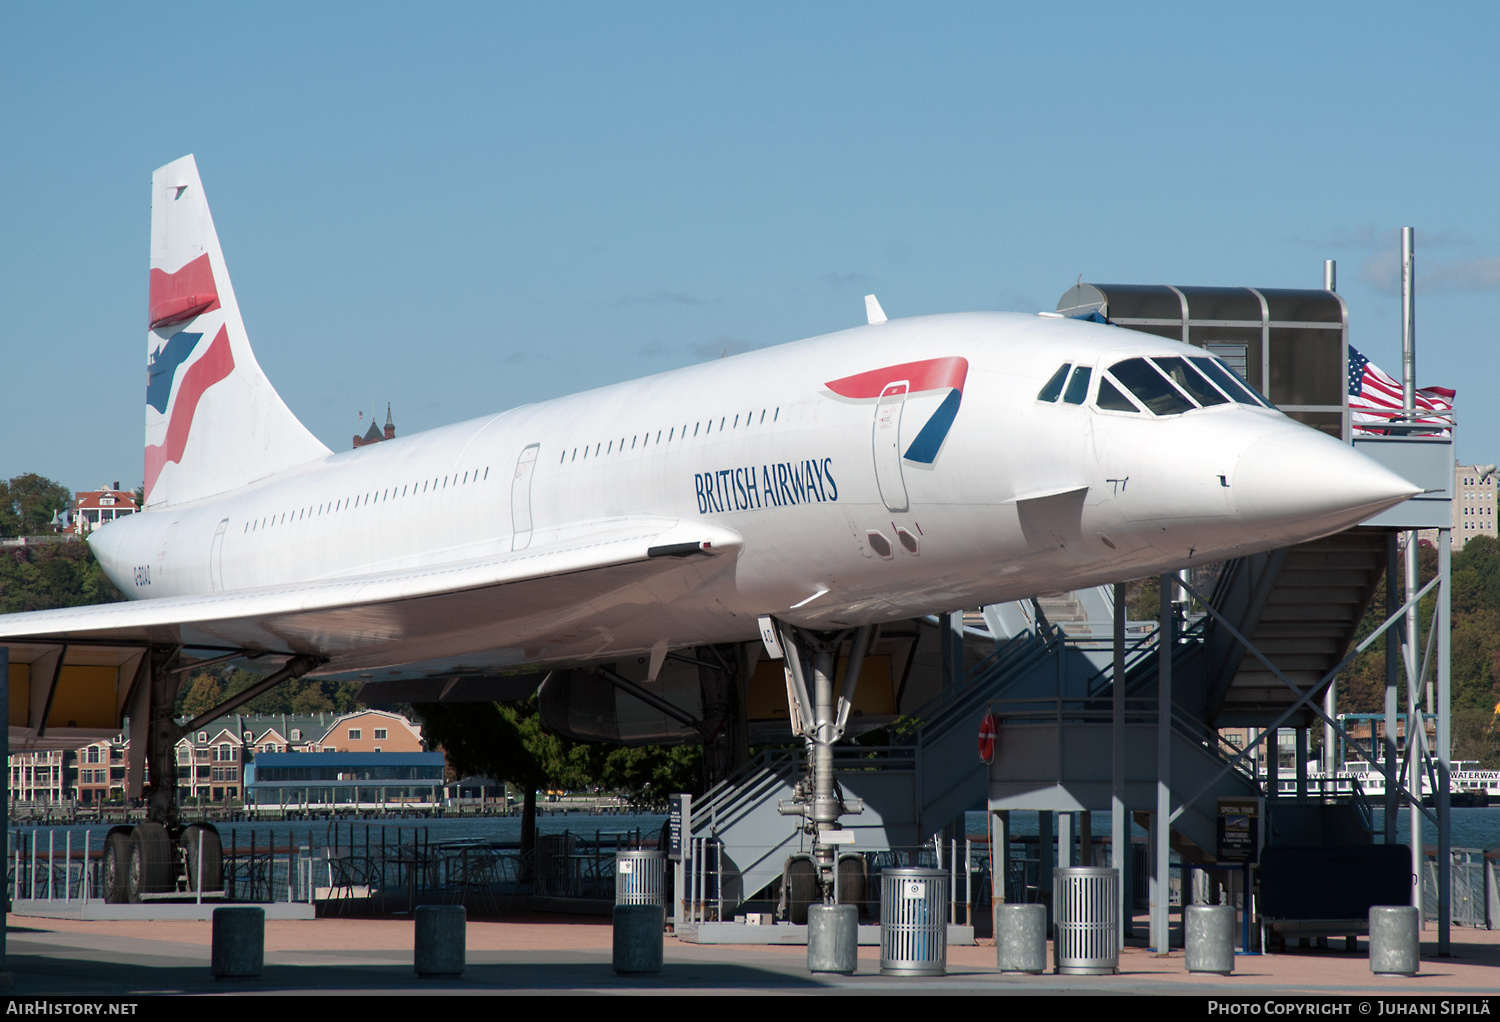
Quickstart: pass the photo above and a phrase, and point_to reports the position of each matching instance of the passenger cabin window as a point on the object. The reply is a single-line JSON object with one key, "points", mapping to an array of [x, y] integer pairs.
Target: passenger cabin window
{"points": [[1150, 387], [1078, 386], [1053, 387]]}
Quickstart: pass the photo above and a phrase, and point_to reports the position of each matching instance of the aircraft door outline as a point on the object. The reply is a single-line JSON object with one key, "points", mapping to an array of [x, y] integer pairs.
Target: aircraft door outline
{"points": [[885, 440], [216, 558], [520, 497]]}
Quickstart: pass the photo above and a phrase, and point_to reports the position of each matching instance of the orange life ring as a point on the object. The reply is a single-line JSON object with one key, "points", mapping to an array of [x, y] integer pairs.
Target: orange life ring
{"points": [[989, 730]]}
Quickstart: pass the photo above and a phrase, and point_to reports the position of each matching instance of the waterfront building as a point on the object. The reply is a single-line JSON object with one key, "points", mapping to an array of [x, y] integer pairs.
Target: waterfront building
{"points": [[344, 780]]}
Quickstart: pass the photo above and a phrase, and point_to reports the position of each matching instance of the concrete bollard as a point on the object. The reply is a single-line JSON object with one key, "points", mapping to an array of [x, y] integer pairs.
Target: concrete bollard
{"points": [[638, 938], [440, 940], [239, 942], [1209, 937], [1021, 938], [833, 938], [1394, 950]]}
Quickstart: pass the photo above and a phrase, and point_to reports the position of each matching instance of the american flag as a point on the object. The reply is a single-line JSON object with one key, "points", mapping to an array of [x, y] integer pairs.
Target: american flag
{"points": [[1375, 399]]}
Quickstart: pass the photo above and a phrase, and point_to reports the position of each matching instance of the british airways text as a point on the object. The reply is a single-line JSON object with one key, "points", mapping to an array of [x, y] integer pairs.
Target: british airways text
{"points": [[785, 482]]}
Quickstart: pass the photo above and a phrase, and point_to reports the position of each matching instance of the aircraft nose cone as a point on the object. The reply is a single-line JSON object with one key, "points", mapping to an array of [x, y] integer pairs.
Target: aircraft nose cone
{"points": [[1308, 482]]}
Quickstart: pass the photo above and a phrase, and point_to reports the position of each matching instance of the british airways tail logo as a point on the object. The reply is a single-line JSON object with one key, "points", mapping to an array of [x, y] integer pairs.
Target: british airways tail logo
{"points": [[930, 374], [178, 297]]}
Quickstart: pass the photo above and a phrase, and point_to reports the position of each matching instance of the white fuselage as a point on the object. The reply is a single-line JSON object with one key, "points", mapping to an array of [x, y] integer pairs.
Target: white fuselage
{"points": [[1024, 496]]}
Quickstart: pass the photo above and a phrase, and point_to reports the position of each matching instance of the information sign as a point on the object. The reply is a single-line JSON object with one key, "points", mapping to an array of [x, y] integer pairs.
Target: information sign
{"points": [[1239, 829], [678, 809]]}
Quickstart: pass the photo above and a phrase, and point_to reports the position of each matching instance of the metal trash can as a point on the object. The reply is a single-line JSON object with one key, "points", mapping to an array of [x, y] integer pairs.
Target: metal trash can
{"points": [[1084, 900], [640, 878], [1395, 940], [913, 922]]}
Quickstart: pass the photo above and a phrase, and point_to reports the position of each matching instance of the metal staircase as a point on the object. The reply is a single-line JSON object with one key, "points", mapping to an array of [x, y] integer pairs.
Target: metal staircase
{"points": [[1301, 606], [924, 776]]}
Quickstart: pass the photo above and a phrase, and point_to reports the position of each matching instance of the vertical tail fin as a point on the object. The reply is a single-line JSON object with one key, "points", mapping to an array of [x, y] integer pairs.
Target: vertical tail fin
{"points": [[213, 420]]}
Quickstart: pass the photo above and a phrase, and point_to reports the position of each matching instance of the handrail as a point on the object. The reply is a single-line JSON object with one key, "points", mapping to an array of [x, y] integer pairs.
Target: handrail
{"points": [[947, 708]]}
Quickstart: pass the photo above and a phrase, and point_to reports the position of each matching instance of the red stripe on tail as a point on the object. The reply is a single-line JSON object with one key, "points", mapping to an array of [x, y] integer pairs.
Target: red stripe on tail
{"points": [[176, 297]]}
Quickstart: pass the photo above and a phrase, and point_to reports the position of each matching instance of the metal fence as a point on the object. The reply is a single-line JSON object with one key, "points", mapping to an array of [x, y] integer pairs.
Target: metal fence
{"points": [[709, 879], [1469, 896], [343, 868]]}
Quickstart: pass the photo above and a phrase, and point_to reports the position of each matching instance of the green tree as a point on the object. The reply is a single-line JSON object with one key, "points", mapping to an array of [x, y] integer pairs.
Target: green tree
{"points": [[28, 502], [201, 694], [1143, 598], [51, 575], [647, 775], [506, 741], [211, 686]]}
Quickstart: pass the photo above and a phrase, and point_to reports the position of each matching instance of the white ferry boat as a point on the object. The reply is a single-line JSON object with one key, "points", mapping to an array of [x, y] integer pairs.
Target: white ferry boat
{"points": [[1467, 783]]}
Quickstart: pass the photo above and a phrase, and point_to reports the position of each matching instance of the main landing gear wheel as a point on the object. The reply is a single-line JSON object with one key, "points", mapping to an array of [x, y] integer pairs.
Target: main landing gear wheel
{"points": [[117, 866], [150, 861], [212, 854]]}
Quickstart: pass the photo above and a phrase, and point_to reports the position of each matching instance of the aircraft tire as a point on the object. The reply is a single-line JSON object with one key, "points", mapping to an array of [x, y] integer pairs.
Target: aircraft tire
{"points": [[852, 881], [117, 867], [213, 857], [801, 889], [150, 861]]}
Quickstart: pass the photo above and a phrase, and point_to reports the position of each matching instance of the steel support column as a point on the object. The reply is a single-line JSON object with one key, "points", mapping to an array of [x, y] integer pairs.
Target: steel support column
{"points": [[1416, 726], [999, 858], [1045, 859], [1119, 829], [1444, 739], [1161, 821], [1392, 658], [1064, 840], [4, 780], [1300, 738]]}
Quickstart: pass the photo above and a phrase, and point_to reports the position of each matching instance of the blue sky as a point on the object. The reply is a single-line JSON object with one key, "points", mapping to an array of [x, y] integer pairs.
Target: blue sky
{"points": [[458, 208]]}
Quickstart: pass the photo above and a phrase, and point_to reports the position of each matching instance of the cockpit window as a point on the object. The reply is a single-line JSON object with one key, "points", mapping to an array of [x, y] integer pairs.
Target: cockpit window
{"points": [[1150, 387], [1110, 398], [1054, 386], [1229, 383], [1078, 386], [1190, 380]]}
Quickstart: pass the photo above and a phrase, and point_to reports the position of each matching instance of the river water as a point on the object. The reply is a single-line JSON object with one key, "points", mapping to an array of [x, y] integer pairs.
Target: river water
{"points": [[318, 834], [1471, 828]]}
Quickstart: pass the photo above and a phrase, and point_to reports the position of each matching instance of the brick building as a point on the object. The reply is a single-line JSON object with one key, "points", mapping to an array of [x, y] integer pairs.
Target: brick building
{"points": [[211, 761], [374, 434]]}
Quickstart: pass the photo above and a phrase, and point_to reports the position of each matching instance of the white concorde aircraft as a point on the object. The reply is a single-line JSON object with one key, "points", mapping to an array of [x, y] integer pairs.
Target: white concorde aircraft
{"points": [[895, 469]]}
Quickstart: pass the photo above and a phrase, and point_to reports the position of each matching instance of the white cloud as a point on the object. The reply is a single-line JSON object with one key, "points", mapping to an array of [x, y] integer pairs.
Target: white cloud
{"points": [[662, 297], [724, 346], [1382, 271], [855, 279]]}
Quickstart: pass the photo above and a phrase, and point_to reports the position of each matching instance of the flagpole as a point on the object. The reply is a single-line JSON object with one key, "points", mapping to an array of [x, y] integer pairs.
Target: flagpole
{"points": [[1414, 719], [1408, 323]]}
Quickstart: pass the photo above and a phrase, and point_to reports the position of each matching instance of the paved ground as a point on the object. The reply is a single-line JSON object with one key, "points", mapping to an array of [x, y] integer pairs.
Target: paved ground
{"points": [[544, 954]]}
